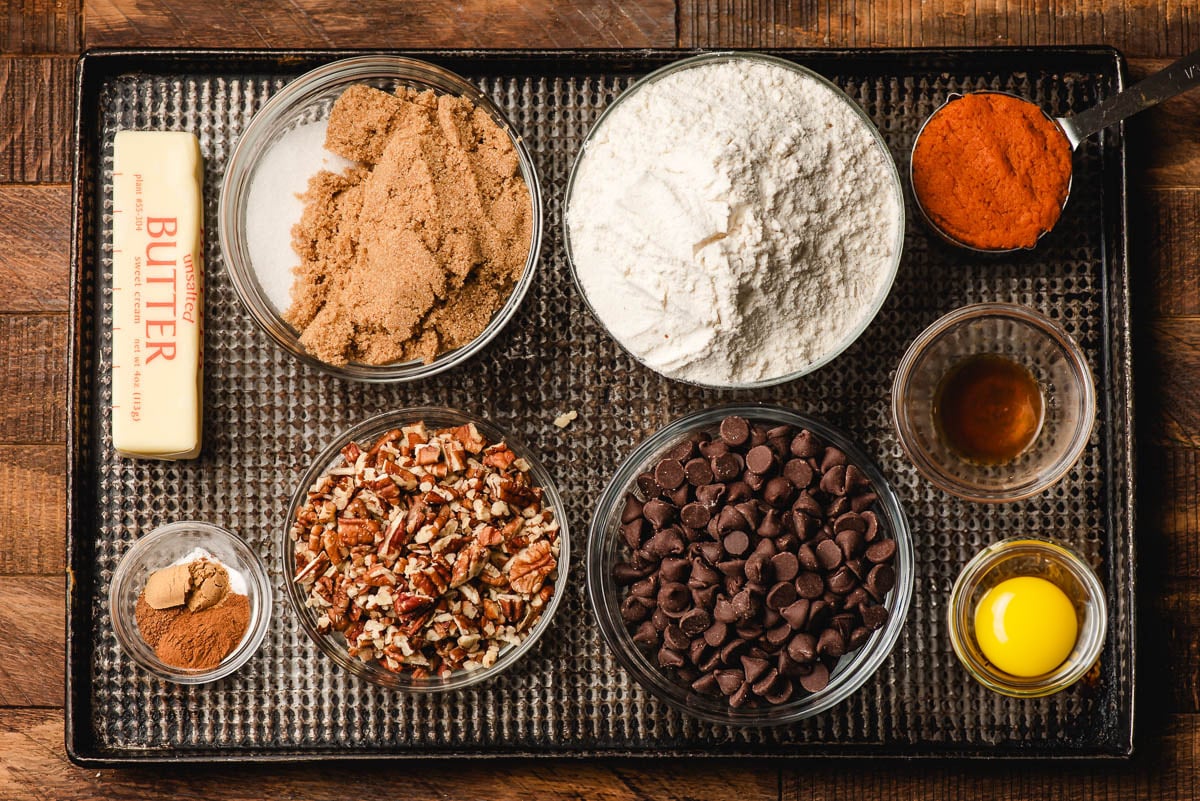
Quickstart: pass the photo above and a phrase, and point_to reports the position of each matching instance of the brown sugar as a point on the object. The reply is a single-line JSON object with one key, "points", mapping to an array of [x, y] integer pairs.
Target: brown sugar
{"points": [[410, 253]]}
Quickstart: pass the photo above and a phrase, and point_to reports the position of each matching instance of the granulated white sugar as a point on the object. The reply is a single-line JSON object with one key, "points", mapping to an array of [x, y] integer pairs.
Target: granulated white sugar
{"points": [[734, 222], [273, 205]]}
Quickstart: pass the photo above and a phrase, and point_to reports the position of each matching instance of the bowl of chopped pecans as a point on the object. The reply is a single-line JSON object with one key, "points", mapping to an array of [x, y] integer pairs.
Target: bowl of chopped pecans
{"points": [[428, 551]]}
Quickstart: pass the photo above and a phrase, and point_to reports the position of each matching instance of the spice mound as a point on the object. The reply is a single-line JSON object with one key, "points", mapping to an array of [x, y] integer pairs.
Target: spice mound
{"points": [[429, 551], [754, 561], [992, 171], [190, 614], [409, 253]]}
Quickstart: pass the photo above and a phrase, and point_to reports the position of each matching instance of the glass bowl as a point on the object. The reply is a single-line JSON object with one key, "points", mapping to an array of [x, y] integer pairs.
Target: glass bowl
{"points": [[1024, 556], [162, 547], [885, 287], [306, 100], [605, 547], [333, 645], [1031, 340]]}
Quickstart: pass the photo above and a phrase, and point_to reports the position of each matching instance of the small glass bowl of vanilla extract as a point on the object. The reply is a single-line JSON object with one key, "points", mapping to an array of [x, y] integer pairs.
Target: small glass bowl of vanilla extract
{"points": [[994, 402]]}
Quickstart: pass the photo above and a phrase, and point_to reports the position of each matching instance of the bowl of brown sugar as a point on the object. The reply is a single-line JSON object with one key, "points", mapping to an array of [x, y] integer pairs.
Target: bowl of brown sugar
{"points": [[190, 602], [381, 219]]}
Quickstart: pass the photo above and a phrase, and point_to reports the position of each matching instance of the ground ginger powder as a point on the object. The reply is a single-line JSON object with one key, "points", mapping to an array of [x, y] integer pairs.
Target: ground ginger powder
{"points": [[410, 253]]}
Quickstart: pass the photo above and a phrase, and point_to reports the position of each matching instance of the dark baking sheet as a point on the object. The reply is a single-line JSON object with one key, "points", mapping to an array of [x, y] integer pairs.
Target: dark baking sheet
{"points": [[266, 416]]}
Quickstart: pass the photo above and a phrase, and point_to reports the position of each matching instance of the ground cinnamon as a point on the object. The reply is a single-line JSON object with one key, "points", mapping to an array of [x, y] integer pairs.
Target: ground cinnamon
{"points": [[200, 640], [410, 253], [992, 171]]}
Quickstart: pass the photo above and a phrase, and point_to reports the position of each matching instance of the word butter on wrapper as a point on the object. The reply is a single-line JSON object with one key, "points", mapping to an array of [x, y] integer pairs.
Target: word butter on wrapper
{"points": [[158, 295]]}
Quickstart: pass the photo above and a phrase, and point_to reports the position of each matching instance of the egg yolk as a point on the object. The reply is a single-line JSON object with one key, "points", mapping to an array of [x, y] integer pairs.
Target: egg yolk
{"points": [[1026, 626]]}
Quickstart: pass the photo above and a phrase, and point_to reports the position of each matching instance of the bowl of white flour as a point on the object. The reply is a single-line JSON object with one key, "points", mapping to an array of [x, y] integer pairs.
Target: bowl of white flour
{"points": [[734, 220]]}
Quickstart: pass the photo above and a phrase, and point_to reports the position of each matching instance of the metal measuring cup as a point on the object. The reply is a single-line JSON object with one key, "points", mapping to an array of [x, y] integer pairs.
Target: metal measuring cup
{"points": [[1179, 77]]}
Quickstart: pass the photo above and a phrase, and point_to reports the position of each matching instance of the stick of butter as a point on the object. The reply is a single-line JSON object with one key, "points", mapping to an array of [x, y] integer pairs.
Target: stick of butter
{"points": [[158, 295]]}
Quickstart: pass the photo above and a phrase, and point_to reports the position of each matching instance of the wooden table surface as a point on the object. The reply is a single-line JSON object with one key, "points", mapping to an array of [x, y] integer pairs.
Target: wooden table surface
{"points": [[39, 43]]}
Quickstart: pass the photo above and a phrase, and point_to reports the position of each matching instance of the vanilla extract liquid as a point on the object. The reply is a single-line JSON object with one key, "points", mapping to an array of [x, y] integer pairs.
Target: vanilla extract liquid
{"points": [[988, 409]]}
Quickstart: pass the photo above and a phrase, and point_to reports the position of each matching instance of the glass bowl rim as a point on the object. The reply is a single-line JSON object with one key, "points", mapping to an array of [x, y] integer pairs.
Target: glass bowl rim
{"points": [[239, 172], [259, 587], [1032, 319], [717, 57], [850, 675], [978, 567], [379, 676]]}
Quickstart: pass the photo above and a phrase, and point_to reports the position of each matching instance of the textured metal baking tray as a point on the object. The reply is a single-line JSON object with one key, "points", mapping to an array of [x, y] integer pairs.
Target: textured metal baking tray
{"points": [[266, 415]]}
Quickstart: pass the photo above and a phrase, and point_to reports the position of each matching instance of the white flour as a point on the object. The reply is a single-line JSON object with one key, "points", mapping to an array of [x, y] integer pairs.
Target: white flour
{"points": [[734, 222], [273, 205]]}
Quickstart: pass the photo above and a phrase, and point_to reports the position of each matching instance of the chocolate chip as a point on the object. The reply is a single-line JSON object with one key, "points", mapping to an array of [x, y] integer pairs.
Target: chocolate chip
{"points": [[798, 473], [754, 481], [659, 513], [706, 684], [736, 542], [732, 567], [724, 612], [731, 650], [730, 681], [830, 643], [716, 634], [668, 657], [675, 569], [780, 693], [702, 574], [806, 503], [695, 622], [745, 605], [810, 585], [705, 597], [752, 512], [624, 573], [786, 566], [635, 609], [726, 467], [851, 543], [778, 492], [829, 554], [714, 448], [781, 595], [858, 638], [833, 480], [802, 648], [833, 457], [647, 485], [758, 568], [857, 567], [711, 551], [862, 502], [856, 597], [668, 542], [841, 581], [674, 597], [739, 491], [817, 680], [695, 515], [711, 495], [881, 551], [805, 444], [874, 617], [674, 638], [760, 460], [634, 532], [698, 472], [681, 451], [856, 479], [758, 436], [680, 495], [660, 619], [735, 430], [765, 682], [646, 588], [647, 635], [880, 580], [771, 525], [796, 614], [632, 509], [740, 698], [753, 667]]}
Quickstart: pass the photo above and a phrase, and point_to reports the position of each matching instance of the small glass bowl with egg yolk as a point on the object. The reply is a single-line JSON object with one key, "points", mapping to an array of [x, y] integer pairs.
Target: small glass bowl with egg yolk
{"points": [[1027, 617]]}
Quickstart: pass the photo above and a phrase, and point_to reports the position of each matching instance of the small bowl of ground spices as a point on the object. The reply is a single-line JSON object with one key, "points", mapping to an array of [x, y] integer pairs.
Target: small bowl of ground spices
{"points": [[190, 602], [991, 172], [381, 219]]}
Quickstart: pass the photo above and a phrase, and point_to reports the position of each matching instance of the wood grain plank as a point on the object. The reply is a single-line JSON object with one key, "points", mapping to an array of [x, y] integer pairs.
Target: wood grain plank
{"points": [[1166, 767], [377, 23], [33, 765], [1164, 142], [39, 26], [33, 378], [1143, 28], [1164, 230], [32, 646], [32, 506], [1168, 381], [1169, 516], [36, 96], [35, 242]]}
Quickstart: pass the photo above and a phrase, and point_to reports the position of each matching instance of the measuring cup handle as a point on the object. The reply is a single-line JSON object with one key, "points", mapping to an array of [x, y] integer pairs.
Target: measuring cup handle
{"points": [[1181, 76]]}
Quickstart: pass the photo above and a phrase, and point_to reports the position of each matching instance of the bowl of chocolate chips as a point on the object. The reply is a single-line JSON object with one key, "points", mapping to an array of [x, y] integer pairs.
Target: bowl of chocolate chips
{"points": [[750, 566]]}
